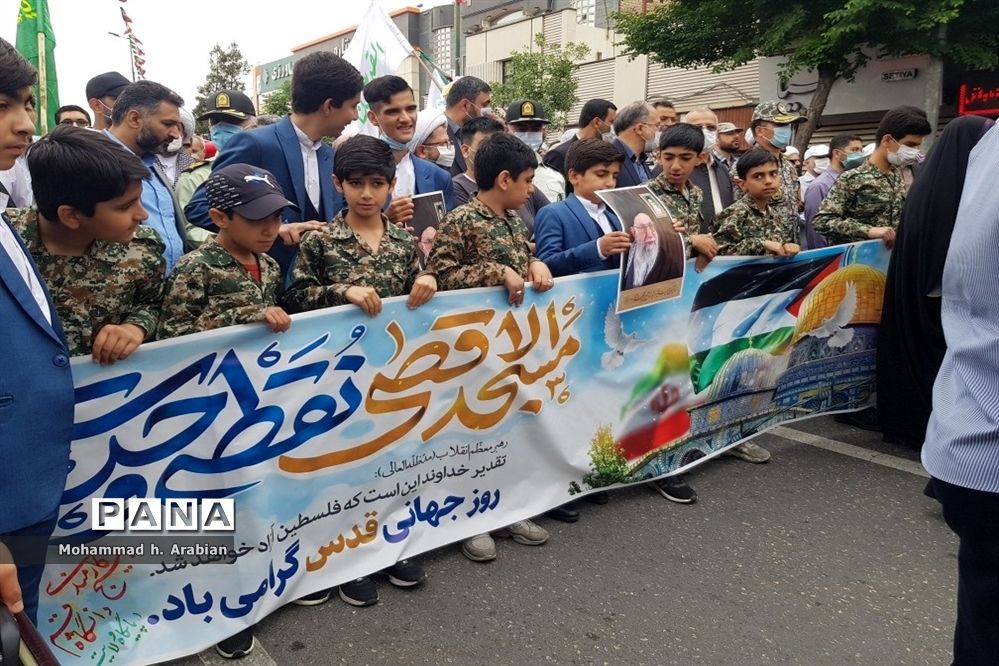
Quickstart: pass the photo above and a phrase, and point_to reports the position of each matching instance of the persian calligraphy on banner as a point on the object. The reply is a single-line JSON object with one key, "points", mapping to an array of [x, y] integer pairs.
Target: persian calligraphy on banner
{"points": [[349, 443]]}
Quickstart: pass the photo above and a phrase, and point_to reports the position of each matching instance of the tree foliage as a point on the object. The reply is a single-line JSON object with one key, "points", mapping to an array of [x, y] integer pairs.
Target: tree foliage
{"points": [[278, 102], [543, 75], [226, 69], [831, 37]]}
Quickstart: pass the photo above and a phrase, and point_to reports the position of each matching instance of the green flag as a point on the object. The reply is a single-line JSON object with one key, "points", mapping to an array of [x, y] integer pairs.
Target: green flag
{"points": [[36, 42]]}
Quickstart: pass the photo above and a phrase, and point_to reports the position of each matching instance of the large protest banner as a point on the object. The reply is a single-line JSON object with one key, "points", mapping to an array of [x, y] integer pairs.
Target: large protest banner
{"points": [[348, 443]]}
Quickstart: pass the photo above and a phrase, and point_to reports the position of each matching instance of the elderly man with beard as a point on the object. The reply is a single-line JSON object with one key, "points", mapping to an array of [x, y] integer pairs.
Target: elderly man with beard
{"points": [[653, 257], [145, 117]]}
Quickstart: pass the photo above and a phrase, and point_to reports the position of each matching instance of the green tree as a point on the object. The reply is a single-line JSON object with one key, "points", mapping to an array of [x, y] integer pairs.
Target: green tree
{"points": [[543, 75], [833, 38], [226, 69], [278, 102]]}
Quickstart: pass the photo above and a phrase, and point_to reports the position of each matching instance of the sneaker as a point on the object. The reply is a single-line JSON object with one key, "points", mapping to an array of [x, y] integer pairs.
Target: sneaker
{"points": [[599, 497], [749, 452], [525, 532], [360, 592], [238, 646], [865, 419], [565, 514], [314, 599], [480, 548], [675, 489], [406, 574]]}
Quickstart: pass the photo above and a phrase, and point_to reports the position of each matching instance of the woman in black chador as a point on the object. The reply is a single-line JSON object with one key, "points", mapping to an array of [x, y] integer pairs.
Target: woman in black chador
{"points": [[911, 341]]}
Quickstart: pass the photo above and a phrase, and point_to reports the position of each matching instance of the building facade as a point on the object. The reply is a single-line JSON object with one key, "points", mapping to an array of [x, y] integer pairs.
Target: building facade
{"points": [[493, 29], [430, 31]]}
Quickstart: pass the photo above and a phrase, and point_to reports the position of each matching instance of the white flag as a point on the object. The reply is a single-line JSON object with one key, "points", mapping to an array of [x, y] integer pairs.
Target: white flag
{"points": [[435, 97], [377, 49]]}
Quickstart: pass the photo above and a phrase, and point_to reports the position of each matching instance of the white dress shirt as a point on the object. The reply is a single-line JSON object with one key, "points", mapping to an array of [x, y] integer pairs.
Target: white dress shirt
{"points": [[405, 178], [598, 212], [310, 160], [23, 266]]}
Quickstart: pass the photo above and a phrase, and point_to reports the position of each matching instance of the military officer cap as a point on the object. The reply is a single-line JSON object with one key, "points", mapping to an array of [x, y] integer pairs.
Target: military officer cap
{"points": [[229, 105], [525, 111]]}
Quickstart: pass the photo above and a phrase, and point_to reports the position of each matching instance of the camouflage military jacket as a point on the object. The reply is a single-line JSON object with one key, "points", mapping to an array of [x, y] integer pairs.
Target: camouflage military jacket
{"points": [[742, 227], [474, 246], [862, 198], [684, 210], [336, 258], [787, 199], [113, 283], [209, 288]]}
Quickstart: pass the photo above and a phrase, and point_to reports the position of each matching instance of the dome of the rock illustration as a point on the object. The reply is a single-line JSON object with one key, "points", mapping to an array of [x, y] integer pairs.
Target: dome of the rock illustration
{"points": [[824, 301]]}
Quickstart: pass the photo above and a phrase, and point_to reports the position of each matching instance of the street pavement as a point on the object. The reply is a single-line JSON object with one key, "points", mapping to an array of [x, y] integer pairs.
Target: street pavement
{"points": [[828, 554]]}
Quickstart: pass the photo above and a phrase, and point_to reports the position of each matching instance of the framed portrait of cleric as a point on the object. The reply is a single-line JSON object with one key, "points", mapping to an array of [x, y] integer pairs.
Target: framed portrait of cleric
{"points": [[652, 269], [428, 212]]}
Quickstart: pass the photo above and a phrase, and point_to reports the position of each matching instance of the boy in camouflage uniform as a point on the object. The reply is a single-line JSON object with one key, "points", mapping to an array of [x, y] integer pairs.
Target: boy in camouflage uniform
{"points": [[103, 268], [773, 127], [360, 257], [752, 226], [485, 244], [680, 151], [866, 202], [230, 280]]}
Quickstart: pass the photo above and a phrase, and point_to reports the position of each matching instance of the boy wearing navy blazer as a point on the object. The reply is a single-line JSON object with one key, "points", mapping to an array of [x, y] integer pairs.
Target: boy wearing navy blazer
{"points": [[36, 391], [581, 234]]}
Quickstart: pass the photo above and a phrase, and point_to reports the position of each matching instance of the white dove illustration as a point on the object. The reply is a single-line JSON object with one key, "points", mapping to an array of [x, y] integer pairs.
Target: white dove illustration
{"points": [[834, 327], [617, 340]]}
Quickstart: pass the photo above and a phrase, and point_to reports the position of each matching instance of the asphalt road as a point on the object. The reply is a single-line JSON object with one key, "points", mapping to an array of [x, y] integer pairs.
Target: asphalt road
{"points": [[829, 554]]}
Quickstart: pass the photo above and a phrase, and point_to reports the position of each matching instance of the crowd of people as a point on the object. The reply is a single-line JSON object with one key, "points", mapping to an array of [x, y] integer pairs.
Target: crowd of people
{"points": [[125, 227]]}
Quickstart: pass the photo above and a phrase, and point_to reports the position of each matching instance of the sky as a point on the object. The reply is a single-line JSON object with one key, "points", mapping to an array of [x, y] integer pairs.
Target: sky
{"points": [[178, 35]]}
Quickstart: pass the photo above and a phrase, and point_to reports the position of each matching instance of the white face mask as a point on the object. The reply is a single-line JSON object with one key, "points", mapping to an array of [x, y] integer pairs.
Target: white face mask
{"points": [[445, 156], [904, 156], [821, 164], [609, 137], [485, 111], [710, 139], [532, 139], [750, 137], [174, 146]]}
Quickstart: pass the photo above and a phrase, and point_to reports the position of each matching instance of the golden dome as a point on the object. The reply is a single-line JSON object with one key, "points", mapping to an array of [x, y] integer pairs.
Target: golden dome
{"points": [[822, 303]]}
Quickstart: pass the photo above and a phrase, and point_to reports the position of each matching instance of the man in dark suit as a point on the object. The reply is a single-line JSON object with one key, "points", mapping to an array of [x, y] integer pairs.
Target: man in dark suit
{"points": [[712, 175], [656, 255], [36, 391], [467, 98], [636, 137], [325, 91], [392, 109], [595, 121]]}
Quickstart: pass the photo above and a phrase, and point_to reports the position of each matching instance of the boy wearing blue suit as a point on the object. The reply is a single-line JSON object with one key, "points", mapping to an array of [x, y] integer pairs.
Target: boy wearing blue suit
{"points": [[392, 109], [36, 392], [581, 234], [325, 91]]}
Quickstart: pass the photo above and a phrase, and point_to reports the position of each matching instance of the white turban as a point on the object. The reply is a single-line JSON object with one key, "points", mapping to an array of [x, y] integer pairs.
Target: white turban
{"points": [[426, 122], [187, 120]]}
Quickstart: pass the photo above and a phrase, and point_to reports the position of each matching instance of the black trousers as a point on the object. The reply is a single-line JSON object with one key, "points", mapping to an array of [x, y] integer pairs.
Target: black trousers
{"points": [[28, 547], [974, 516]]}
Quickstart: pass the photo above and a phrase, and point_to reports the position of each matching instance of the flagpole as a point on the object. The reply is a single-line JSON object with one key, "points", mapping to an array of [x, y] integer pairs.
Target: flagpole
{"points": [[43, 92]]}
